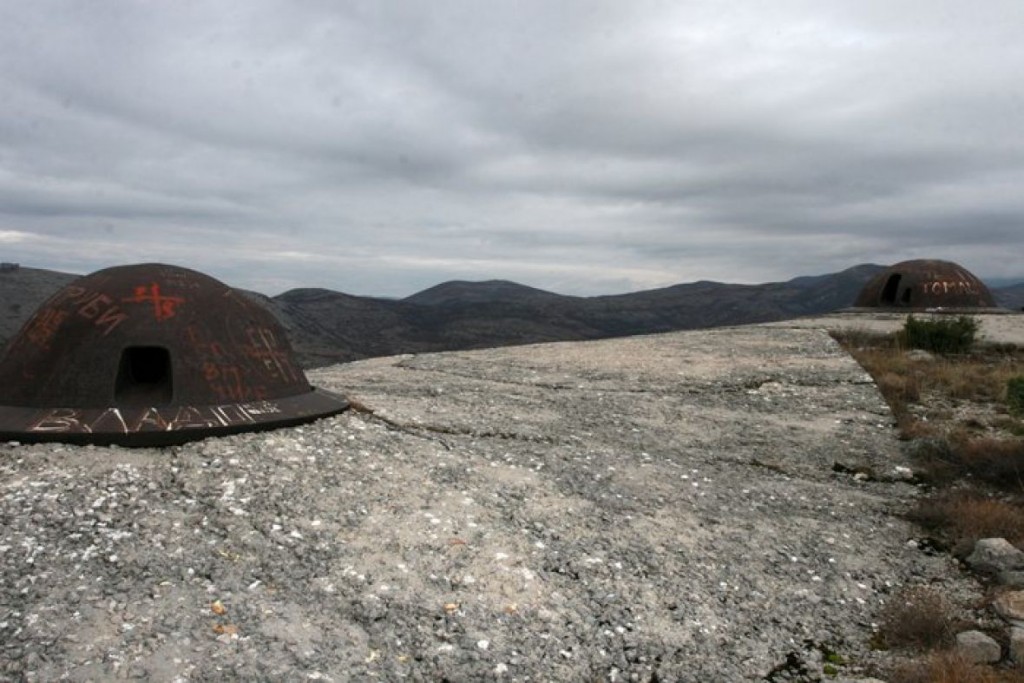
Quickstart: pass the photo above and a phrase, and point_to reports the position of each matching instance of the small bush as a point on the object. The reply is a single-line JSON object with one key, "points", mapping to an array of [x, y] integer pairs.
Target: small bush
{"points": [[999, 462], [899, 388], [861, 338], [976, 379], [940, 335], [962, 517], [912, 428], [1015, 395], [916, 617], [935, 462], [1009, 424], [948, 667]]}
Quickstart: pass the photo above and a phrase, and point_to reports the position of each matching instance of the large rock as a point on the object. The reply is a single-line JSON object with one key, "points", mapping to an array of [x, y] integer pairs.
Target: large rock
{"points": [[1010, 606], [1011, 579], [978, 648], [1017, 645], [995, 555]]}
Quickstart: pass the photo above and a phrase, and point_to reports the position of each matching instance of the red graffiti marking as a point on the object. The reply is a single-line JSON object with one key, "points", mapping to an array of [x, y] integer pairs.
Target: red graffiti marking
{"points": [[264, 348], [94, 306], [195, 337], [44, 326], [227, 382], [70, 293], [102, 309], [164, 307]]}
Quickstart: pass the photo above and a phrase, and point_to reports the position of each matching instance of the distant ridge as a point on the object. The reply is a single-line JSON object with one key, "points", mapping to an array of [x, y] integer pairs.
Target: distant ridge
{"points": [[22, 291], [331, 327], [461, 292], [1011, 297]]}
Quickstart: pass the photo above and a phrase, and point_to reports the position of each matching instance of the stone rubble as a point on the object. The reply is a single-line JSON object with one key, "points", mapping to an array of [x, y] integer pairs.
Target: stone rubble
{"points": [[999, 556], [1017, 645]]}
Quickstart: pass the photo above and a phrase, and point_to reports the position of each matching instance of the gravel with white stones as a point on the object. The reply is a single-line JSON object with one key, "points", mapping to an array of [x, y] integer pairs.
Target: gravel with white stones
{"points": [[648, 509]]}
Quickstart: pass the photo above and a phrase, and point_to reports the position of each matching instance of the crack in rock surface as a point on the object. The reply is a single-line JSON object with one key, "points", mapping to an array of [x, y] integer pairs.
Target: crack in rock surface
{"points": [[597, 511]]}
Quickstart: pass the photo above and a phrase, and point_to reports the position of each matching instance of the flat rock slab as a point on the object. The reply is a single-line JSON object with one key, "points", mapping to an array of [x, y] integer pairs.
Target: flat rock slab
{"points": [[578, 511]]}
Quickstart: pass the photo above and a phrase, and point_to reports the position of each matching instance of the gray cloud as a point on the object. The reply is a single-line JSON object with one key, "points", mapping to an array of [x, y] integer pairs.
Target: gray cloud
{"points": [[581, 146]]}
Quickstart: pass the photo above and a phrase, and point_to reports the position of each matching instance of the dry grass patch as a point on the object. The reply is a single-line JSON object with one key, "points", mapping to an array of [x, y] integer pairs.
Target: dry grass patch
{"points": [[963, 415], [911, 428], [917, 616], [961, 517], [976, 378], [894, 375], [935, 462], [860, 338], [1010, 425], [981, 378], [906, 382], [943, 460], [961, 455], [948, 667], [999, 462], [899, 388]]}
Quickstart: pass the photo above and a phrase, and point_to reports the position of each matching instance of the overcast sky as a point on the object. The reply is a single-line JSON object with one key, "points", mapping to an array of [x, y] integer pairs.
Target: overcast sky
{"points": [[586, 147]]}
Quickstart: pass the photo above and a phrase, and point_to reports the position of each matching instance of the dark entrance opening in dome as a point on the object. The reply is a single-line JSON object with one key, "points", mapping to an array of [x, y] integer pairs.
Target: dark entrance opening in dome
{"points": [[892, 286], [144, 376]]}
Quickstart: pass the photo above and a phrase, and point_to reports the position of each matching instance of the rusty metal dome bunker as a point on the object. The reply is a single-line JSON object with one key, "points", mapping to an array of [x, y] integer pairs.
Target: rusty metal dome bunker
{"points": [[152, 355], [925, 284]]}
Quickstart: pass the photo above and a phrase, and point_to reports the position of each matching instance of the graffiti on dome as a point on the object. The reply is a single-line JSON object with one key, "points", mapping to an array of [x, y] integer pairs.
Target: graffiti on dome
{"points": [[166, 419], [952, 287], [164, 307]]}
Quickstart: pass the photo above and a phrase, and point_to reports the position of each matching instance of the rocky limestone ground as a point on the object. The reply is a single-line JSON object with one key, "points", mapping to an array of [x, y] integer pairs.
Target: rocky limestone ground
{"points": [[660, 508]]}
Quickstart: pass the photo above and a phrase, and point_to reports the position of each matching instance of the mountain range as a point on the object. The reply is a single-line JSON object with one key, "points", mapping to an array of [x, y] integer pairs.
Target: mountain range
{"points": [[331, 327]]}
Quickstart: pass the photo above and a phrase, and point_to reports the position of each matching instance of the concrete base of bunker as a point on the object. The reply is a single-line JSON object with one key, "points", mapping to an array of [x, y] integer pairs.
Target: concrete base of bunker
{"points": [[162, 426]]}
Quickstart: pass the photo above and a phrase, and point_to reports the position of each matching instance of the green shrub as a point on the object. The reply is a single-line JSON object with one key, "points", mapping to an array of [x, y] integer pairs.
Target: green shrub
{"points": [[941, 335], [1015, 395]]}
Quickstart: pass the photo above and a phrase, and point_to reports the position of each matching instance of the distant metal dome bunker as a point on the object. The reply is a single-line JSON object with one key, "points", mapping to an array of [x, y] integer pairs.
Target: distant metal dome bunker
{"points": [[152, 355], [925, 284]]}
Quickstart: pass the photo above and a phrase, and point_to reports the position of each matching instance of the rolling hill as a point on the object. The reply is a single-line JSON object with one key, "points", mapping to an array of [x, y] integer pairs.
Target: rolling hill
{"points": [[330, 327]]}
